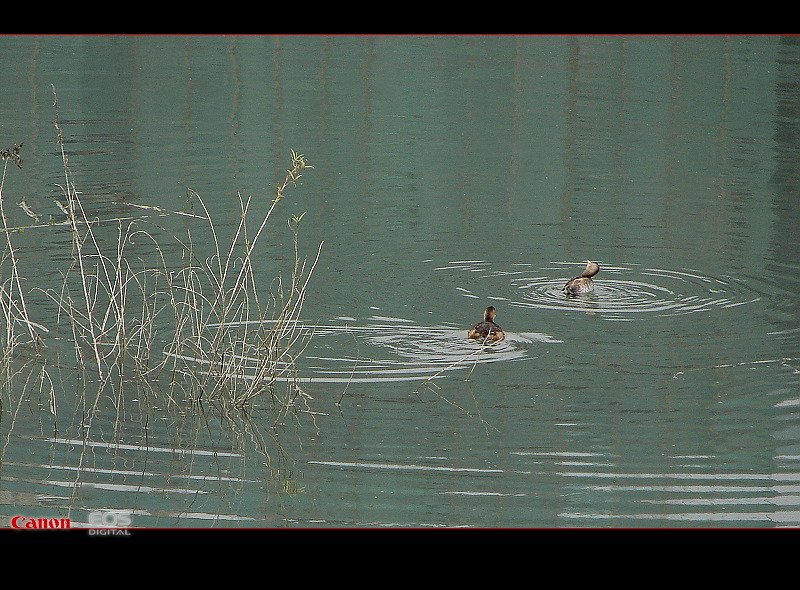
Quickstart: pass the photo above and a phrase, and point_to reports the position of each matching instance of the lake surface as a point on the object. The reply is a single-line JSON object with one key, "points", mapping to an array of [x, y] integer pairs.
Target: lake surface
{"points": [[449, 173]]}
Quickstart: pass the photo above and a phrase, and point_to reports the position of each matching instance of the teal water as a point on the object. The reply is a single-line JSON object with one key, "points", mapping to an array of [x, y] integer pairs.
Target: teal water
{"points": [[449, 173]]}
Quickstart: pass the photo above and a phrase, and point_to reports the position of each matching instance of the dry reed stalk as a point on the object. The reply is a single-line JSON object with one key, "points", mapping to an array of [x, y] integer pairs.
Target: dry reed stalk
{"points": [[239, 364], [226, 341], [14, 306]]}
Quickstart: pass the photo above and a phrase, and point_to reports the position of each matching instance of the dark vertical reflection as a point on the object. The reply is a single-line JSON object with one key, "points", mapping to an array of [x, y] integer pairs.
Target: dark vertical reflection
{"points": [[190, 139], [35, 50], [109, 64], [469, 204], [277, 105], [724, 116], [322, 79], [365, 135], [673, 137], [622, 134], [516, 116], [327, 179], [785, 246], [236, 149], [570, 147]]}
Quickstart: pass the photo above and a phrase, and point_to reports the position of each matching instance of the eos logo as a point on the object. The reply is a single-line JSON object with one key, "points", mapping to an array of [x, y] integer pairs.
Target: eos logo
{"points": [[109, 519]]}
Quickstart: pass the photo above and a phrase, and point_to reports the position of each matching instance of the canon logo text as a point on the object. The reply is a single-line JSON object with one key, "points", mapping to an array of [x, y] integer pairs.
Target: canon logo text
{"points": [[22, 522]]}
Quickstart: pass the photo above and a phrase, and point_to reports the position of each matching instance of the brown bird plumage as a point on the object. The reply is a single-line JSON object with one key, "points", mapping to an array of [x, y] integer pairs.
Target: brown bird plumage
{"points": [[487, 329], [583, 282]]}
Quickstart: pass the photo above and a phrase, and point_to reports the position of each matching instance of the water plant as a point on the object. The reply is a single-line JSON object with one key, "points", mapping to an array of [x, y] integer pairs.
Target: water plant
{"points": [[142, 323], [176, 319]]}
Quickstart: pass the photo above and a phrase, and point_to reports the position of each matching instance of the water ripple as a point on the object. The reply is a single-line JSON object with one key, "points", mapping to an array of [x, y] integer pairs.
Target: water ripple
{"points": [[620, 292], [388, 349]]}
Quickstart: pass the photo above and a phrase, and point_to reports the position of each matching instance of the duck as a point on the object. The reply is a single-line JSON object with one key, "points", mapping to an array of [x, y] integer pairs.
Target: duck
{"points": [[487, 329], [582, 283]]}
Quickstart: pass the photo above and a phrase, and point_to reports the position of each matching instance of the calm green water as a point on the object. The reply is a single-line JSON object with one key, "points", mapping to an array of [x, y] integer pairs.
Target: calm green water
{"points": [[450, 173]]}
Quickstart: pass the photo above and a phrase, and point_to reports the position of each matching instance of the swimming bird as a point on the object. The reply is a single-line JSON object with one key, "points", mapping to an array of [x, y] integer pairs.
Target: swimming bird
{"points": [[487, 329], [582, 283]]}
